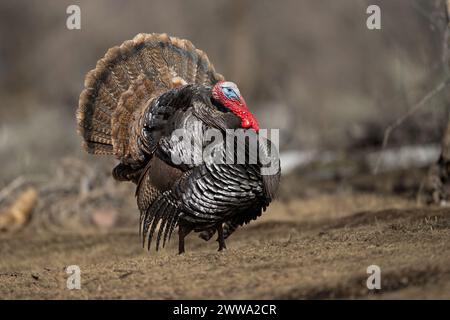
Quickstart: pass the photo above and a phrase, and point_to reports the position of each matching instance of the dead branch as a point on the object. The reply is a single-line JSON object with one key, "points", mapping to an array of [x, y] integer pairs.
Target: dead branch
{"points": [[422, 102], [448, 12], [18, 214], [439, 87], [6, 191]]}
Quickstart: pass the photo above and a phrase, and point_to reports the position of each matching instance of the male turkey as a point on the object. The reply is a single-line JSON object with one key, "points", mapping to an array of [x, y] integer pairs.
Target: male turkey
{"points": [[135, 100]]}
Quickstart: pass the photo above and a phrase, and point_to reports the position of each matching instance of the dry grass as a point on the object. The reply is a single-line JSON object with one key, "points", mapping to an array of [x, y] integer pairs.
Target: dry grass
{"points": [[312, 249]]}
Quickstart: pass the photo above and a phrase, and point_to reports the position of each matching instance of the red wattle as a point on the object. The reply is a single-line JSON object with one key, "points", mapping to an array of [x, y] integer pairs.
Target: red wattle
{"points": [[245, 123]]}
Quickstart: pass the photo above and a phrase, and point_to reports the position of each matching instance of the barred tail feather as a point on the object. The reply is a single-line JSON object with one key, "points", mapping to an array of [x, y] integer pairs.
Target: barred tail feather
{"points": [[139, 69]]}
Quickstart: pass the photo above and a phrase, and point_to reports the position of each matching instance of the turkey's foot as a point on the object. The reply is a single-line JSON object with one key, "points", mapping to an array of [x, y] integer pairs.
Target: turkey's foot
{"points": [[221, 238]]}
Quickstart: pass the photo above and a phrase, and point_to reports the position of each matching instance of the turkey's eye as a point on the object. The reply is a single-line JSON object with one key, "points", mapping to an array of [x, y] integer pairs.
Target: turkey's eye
{"points": [[230, 93]]}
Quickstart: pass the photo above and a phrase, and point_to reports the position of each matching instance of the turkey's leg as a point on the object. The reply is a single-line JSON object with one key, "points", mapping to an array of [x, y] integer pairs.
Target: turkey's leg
{"points": [[220, 237], [182, 233], [228, 228]]}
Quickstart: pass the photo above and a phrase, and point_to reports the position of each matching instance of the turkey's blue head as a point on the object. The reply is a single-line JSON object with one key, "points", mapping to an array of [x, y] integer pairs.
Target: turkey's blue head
{"points": [[228, 95]]}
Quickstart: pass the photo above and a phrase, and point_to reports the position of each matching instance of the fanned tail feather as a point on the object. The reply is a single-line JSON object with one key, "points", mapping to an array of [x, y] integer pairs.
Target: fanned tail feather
{"points": [[127, 77]]}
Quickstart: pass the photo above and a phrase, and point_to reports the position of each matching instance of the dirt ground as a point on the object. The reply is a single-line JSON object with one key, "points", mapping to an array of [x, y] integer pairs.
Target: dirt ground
{"points": [[302, 248]]}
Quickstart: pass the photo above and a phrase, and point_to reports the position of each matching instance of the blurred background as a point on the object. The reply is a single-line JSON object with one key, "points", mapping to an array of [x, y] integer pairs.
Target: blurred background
{"points": [[310, 68], [361, 112]]}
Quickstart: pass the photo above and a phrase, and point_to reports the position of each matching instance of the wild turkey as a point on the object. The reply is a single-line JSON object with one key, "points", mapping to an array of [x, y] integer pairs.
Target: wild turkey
{"points": [[138, 95]]}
